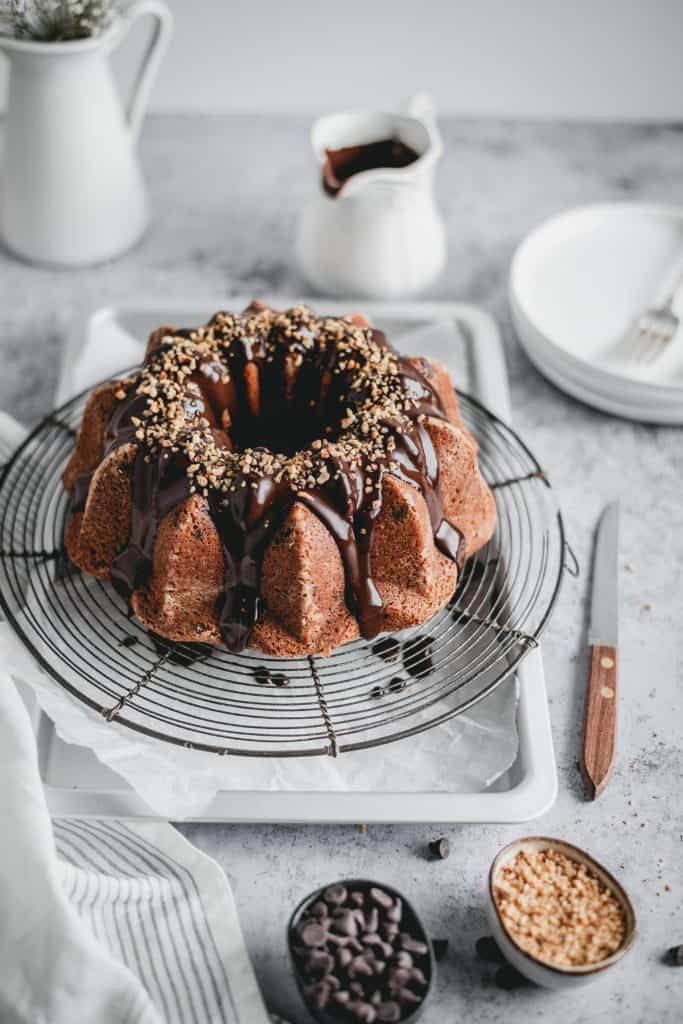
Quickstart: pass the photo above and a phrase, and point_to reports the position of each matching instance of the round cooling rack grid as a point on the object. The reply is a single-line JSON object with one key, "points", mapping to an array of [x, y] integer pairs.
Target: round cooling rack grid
{"points": [[362, 695]]}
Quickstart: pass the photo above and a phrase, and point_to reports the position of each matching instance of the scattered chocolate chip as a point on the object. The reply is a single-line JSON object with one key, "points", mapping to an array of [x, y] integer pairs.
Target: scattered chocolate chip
{"points": [[388, 648], [396, 685], [376, 692], [128, 641], [674, 956], [265, 678], [508, 978], [487, 949], [440, 947], [440, 848], [417, 658]]}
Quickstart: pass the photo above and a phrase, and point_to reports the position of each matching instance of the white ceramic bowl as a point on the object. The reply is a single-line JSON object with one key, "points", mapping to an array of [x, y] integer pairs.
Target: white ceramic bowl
{"points": [[591, 390], [576, 283], [535, 970]]}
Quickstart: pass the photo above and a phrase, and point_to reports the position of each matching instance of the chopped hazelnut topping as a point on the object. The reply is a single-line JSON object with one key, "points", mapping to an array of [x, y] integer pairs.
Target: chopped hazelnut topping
{"points": [[557, 909]]}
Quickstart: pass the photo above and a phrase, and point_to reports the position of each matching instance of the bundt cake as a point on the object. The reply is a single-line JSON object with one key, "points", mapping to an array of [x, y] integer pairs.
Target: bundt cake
{"points": [[277, 480]]}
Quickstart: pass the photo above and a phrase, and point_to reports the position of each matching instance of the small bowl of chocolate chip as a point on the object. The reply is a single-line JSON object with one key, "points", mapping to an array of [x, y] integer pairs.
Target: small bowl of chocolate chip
{"points": [[360, 953]]}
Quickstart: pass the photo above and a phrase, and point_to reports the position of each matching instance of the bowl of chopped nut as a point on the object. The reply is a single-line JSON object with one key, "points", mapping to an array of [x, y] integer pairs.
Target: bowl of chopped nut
{"points": [[558, 916], [360, 952]]}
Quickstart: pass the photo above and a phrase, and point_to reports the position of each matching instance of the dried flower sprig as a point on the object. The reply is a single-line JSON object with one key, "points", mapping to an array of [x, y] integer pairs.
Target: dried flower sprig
{"points": [[52, 21]]}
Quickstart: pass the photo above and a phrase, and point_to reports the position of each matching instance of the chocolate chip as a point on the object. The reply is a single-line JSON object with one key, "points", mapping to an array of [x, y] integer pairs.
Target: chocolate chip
{"points": [[417, 976], [344, 923], [411, 945], [388, 648], [417, 656], [313, 934], [318, 963], [361, 966], [362, 1011], [407, 998], [395, 912], [674, 956], [440, 947], [335, 894], [353, 957], [371, 920], [396, 685], [389, 1012], [318, 994], [440, 848], [381, 898], [399, 977], [487, 949], [376, 692]]}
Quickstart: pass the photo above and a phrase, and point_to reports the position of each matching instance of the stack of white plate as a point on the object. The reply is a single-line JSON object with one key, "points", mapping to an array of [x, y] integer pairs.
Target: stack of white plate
{"points": [[577, 285]]}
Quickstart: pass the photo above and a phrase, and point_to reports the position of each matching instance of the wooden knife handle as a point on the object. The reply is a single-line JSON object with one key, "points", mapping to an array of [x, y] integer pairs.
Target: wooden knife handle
{"points": [[600, 723]]}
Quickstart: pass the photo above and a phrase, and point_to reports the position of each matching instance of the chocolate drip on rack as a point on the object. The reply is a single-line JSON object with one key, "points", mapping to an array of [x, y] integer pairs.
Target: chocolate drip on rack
{"points": [[269, 392]]}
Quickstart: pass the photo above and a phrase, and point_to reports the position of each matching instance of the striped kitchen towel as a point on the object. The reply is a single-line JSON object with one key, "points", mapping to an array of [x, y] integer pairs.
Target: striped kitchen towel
{"points": [[114, 922]]}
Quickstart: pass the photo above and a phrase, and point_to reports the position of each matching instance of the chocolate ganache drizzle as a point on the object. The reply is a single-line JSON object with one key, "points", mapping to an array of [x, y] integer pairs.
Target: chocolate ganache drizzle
{"points": [[256, 411]]}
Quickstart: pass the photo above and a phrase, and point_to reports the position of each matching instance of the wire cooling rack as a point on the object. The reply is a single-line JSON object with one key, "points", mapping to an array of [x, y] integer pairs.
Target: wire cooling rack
{"points": [[362, 695]]}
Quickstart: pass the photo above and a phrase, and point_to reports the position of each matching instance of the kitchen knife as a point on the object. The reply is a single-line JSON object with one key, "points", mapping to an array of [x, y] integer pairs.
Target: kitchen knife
{"points": [[599, 735]]}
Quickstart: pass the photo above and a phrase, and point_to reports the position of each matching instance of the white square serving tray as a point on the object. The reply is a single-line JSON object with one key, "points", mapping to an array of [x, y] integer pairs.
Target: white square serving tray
{"points": [[78, 785]]}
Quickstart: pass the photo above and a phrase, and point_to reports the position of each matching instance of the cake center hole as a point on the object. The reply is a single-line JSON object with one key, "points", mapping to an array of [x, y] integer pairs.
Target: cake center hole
{"points": [[265, 411]]}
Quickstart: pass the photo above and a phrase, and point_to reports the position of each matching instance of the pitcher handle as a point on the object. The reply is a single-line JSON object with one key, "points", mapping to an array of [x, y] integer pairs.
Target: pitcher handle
{"points": [[152, 58]]}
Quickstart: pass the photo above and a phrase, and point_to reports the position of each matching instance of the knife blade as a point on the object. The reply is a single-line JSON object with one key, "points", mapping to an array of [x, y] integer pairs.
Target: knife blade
{"points": [[604, 622], [600, 723]]}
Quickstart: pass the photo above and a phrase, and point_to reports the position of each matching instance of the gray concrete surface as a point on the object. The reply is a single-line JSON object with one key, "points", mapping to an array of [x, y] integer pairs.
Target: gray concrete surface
{"points": [[225, 191]]}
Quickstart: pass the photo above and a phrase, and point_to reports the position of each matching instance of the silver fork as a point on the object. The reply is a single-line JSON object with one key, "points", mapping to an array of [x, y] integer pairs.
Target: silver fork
{"points": [[654, 328]]}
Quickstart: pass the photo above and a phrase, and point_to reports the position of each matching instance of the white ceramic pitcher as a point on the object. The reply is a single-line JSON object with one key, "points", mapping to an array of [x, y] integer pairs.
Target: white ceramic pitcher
{"points": [[381, 236], [72, 189]]}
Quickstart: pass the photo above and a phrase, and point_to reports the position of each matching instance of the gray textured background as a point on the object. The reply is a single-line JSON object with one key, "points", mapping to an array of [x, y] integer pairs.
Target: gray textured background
{"points": [[225, 191]]}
